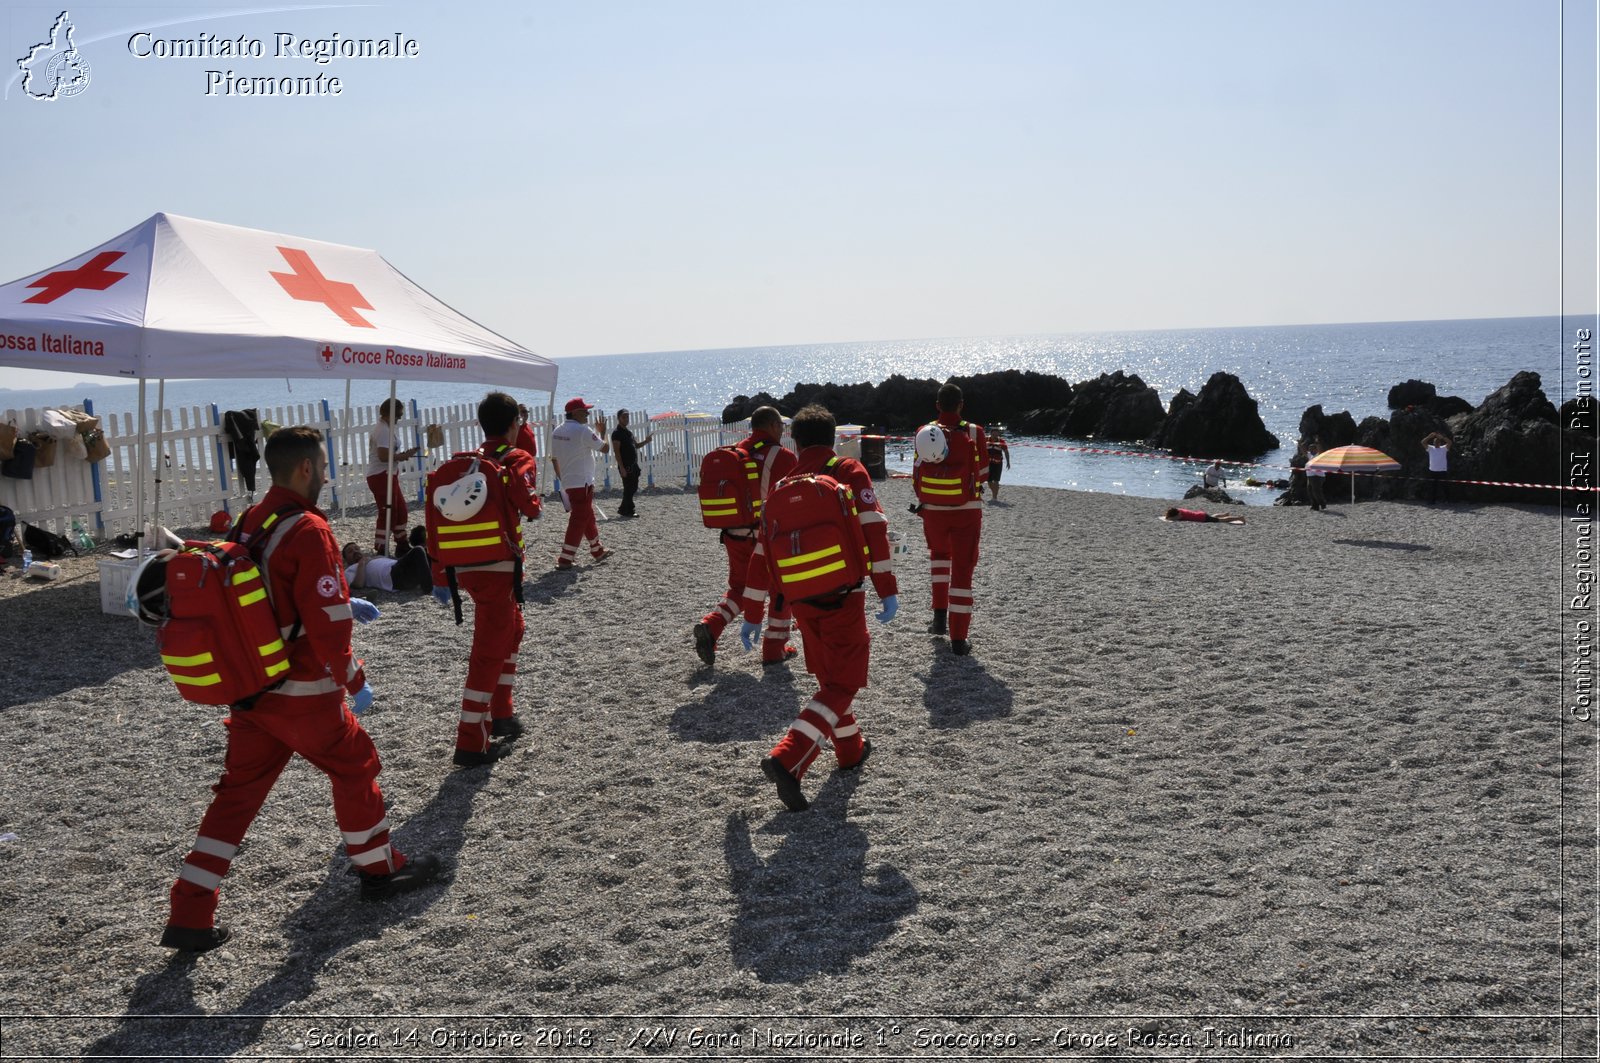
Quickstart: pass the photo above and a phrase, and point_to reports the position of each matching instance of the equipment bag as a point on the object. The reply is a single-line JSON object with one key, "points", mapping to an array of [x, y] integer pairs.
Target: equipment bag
{"points": [[220, 643], [730, 488], [46, 545], [954, 480], [470, 519], [20, 465], [814, 544], [44, 446], [8, 439], [8, 533]]}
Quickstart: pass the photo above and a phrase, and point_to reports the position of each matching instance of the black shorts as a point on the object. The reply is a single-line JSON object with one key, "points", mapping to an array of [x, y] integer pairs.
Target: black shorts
{"points": [[994, 472]]}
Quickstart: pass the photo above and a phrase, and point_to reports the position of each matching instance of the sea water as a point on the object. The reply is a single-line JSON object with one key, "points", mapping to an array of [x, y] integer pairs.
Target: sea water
{"points": [[1285, 369]]}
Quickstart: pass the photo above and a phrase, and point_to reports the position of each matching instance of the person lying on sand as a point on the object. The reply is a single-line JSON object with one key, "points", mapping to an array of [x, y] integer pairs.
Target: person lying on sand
{"points": [[1200, 515]]}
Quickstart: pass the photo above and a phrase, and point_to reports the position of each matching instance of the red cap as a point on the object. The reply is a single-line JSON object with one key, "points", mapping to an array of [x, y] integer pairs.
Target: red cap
{"points": [[574, 405], [220, 521]]}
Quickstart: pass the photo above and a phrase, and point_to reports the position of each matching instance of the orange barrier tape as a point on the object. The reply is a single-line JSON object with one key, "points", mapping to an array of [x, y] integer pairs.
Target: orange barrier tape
{"points": [[1250, 464]]}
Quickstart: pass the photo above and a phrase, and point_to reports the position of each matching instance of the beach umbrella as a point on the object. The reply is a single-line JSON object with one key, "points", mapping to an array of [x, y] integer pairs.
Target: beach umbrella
{"points": [[1353, 459]]}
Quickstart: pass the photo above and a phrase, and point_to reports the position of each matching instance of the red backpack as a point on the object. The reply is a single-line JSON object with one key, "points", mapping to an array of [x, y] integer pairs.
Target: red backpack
{"points": [[471, 520], [730, 488], [814, 544], [220, 641], [954, 480]]}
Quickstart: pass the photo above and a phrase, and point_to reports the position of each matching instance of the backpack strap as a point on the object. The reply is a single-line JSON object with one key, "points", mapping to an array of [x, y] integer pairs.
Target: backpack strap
{"points": [[261, 550]]}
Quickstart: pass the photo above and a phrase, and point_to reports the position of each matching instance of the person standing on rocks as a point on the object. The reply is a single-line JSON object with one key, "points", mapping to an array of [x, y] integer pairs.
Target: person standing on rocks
{"points": [[572, 450], [1438, 447], [304, 714], [951, 508], [833, 627]]}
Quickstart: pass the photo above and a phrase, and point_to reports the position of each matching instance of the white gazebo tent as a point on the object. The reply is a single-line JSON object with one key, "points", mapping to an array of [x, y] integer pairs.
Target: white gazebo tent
{"points": [[176, 297]]}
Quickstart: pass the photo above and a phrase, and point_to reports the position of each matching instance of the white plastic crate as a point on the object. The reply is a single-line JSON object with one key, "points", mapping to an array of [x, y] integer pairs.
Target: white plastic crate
{"points": [[114, 576]]}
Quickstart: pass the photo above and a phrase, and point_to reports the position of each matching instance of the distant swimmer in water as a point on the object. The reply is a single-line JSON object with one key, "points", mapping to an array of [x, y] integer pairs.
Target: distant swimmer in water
{"points": [[1199, 515]]}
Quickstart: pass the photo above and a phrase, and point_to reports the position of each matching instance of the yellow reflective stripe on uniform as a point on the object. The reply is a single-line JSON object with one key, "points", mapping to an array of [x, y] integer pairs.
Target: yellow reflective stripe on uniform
{"points": [[274, 669], [253, 597], [940, 491], [811, 573], [270, 648], [806, 559], [461, 544], [719, 512], [198, 680], [446, 529], [717, 502], [937, 480], [246, 576], [187, 662]]}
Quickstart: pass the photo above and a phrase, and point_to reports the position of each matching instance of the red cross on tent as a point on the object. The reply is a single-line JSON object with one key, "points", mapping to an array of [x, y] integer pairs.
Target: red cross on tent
{"points": [[92, 275], [309, 285]]}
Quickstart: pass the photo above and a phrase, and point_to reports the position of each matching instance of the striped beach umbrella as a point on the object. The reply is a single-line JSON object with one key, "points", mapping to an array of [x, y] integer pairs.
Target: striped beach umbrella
{"points": [[1353, 459]]}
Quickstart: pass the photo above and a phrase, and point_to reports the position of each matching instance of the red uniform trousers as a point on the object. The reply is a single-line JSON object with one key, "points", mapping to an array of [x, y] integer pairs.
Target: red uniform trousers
{"points": [[396, 519], [838, 649], [260, 742], [497, 628], [581, 524], [775, 639], [952, 536]]}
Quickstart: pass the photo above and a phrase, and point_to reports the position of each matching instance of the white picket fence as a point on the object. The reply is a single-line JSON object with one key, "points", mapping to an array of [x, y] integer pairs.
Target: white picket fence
{"points": [[191, 475]]}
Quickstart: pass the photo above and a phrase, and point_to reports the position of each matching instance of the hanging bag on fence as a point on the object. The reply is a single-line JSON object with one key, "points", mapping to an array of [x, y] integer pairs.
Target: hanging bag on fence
{"points": [[8, 440], [20, 465], [435, 436], [95, 444], [44, 446], [76, 449]]}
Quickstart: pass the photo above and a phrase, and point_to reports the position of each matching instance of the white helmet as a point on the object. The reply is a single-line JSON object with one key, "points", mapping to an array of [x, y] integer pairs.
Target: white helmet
{"points": [[463, 499], [146, 597], [932, 446]]}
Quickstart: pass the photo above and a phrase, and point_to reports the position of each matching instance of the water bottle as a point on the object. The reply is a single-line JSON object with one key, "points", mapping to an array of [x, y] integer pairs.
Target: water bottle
{"points": [[27, 558], [81, 537]]}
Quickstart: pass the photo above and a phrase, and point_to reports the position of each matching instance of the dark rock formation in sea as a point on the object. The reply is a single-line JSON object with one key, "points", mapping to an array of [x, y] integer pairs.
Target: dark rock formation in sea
{"points": [[1222, 421], [1419, 394], [902, 404], [1117, 406], [1211, 494], [1514, 436], [1327, 430]]}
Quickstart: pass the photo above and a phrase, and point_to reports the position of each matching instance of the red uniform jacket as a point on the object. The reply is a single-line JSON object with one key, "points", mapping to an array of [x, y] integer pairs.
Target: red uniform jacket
{"points": [[306, 579], [518, 472], [874, 526]]}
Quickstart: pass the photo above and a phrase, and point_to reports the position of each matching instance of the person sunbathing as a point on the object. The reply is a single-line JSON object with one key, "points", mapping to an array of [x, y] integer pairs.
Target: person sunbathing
{"points": [[1174, 513]]}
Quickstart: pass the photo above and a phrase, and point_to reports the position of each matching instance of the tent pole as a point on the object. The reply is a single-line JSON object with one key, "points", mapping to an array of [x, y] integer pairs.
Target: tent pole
{"points": [[138, 479], [394, 446], [344, 496], [161, 459]]}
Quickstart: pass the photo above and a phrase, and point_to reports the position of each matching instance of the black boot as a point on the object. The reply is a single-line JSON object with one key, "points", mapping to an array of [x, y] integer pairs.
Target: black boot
{"points": [[418, 872], [938, 626]]}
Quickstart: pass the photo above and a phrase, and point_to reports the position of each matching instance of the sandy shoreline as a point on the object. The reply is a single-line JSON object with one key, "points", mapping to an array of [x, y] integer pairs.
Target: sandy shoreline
{"points": [[1298, 771]]}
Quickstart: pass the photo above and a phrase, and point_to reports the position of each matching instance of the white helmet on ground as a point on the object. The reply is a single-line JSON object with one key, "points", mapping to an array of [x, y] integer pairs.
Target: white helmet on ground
{"points": [[146, 598], [931, 445], [463, 499]]}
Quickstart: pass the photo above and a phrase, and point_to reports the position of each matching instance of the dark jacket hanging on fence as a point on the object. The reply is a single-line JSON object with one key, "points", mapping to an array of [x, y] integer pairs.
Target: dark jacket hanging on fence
{"points": [[242, 426]]}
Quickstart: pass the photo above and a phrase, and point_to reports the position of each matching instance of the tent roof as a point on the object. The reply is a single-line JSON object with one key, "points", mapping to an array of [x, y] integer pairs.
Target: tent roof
{"points": [[179, 297]]}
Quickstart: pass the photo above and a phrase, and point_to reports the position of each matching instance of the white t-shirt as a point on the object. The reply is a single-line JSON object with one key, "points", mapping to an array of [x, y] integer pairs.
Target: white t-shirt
{"points": [[1438, 459], [379, 575], [380, 438], [1213, 477], [573, 445]]}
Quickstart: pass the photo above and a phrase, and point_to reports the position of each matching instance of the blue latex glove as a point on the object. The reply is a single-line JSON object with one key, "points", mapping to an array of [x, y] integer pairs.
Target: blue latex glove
{"points": [[441, 595], [364, 611], [748, 633], [362, 701], [891, 606]]}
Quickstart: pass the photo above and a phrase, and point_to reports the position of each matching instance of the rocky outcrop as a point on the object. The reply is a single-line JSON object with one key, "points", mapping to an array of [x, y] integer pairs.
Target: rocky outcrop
{"points": [[1117, 406], [1514, 436], [1222, 421], [1211, 494], [1328, 430], [1411, 393], [902, 404]]}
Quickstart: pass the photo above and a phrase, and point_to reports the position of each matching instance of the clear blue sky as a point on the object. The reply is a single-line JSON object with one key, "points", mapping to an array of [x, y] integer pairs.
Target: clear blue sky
{"points": [[614, 177]]}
